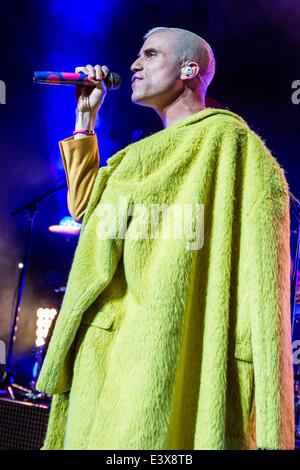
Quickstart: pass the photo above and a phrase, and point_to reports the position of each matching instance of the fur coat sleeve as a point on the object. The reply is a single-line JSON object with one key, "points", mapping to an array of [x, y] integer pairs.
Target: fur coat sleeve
{"points": [[269, 306]]}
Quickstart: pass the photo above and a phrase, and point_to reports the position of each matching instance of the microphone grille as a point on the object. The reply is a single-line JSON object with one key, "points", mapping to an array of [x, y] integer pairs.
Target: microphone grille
{"points": [[113, 81]]}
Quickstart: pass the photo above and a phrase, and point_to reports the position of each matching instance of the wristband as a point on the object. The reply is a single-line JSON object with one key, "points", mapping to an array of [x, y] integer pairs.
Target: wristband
{"points": [[84, 131]]}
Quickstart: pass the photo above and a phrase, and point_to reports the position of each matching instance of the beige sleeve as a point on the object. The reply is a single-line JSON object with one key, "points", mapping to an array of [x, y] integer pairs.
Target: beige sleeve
{"points": [[81, 162]]}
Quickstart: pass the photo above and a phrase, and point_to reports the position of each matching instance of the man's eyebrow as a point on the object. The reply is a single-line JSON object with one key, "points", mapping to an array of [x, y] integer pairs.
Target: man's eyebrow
{"points": [[146, 51]]}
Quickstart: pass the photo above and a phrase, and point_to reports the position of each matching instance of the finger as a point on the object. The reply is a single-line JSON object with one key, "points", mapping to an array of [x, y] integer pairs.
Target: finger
{"points": [[94, 81], [82, 69], [92, 73], [105, 70], [99, 74]]}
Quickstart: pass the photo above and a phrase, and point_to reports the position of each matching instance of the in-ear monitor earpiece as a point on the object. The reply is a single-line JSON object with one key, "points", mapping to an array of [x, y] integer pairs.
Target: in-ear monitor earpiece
{"points": [[188, 71]]}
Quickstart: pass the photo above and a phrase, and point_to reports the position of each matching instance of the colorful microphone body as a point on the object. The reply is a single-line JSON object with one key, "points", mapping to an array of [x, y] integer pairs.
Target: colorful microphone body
{"points": [[112, 81]]}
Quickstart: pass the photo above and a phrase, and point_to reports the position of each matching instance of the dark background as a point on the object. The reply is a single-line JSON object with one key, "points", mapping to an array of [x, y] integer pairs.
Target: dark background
{"points": [[256, 46]]}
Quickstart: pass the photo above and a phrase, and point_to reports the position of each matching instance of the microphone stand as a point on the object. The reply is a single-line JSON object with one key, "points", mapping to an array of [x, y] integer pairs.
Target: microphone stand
{"points": [[7, 380]]}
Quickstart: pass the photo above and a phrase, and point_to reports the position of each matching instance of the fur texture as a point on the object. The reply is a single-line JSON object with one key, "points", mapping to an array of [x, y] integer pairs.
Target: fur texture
{"points": [[160, 347]]}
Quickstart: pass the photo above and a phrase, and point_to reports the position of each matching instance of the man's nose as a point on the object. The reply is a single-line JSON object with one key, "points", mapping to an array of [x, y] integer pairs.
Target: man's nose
{"points": [[136, 65]]}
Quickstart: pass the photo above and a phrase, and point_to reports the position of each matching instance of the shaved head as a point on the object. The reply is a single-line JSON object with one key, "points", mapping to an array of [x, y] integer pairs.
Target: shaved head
{"points": [[189, 47]]}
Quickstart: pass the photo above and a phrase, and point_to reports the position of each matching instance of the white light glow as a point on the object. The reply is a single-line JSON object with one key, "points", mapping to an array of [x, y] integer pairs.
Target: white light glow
{"points": [[45, 317]]}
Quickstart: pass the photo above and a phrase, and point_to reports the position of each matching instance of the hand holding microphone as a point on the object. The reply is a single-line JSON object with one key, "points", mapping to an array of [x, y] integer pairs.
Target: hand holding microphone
{"points": [[90, 99], [91, 87]]}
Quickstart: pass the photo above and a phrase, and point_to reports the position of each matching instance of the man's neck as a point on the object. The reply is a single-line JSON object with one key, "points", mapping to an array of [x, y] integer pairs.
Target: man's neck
{"points": [[182, 107]]}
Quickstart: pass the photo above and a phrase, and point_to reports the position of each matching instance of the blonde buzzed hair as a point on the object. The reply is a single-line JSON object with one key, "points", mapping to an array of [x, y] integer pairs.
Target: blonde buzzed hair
{"points": [[191, 48]]}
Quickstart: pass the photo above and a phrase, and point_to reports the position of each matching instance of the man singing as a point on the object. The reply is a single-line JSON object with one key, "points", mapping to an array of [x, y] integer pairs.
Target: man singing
{"points": [[174, 332]]}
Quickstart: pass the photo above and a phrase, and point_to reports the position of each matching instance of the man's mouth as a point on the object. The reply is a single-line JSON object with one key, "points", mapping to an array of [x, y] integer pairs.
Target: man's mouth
{"points": [[135, 77]]}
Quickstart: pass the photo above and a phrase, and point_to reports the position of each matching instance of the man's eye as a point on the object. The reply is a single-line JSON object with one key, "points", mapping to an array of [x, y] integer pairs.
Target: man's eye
{"points": [[151, 54]]}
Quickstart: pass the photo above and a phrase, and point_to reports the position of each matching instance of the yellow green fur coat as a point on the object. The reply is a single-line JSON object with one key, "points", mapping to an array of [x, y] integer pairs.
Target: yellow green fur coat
{"points": [[193, 345]]}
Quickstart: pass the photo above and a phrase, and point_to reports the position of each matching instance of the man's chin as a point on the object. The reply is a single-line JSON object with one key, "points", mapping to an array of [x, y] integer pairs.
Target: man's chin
{"points": [[139, 100]]}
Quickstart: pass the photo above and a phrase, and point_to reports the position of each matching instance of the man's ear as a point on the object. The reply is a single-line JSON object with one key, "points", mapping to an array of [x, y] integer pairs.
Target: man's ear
{"points": [[189, 71]]}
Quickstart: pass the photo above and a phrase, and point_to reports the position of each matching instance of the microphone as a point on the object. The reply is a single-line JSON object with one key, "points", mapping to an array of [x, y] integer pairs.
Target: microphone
{"points": [[112, 81]]}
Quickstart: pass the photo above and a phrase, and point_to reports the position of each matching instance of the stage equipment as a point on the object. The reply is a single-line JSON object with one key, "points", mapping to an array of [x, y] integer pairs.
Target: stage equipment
{"points": [[67, 226], [23, 425], [45, 317], [7, 379]]}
